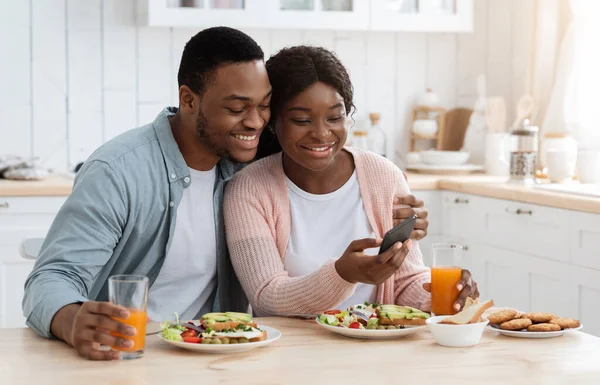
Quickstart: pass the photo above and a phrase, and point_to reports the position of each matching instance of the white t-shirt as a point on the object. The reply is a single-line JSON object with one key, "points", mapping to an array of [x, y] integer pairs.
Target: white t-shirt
{"points": [[188, 276], [322, 227]]}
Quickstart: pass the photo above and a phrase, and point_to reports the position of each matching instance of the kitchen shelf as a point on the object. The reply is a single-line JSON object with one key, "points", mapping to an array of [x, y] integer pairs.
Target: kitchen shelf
{"points": [[348, 15]]}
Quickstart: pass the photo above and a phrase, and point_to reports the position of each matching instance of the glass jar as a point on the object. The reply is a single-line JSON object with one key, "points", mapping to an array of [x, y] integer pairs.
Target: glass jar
{"points": [[377, 137], [523, 153]]}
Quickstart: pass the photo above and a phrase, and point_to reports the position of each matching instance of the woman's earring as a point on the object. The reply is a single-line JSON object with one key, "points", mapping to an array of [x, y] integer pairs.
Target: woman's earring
{"points": [[272, 129]]}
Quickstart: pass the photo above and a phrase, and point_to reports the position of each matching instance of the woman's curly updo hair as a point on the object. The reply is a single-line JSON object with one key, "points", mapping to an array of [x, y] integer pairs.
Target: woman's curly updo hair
{"points": [[291, 71]]}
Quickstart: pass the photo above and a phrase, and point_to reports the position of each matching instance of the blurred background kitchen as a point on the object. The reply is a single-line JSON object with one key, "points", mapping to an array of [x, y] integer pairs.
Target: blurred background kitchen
{"points": [[76, 73], [491, 106]]}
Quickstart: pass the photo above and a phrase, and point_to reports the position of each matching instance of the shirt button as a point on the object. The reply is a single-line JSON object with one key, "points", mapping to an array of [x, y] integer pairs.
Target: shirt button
{"points": [[171, 204], [186, 179], [173, 176]]}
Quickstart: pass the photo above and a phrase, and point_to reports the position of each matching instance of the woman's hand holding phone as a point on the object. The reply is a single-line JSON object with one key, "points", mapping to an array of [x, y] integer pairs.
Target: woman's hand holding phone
{"points": [[355, 266]]}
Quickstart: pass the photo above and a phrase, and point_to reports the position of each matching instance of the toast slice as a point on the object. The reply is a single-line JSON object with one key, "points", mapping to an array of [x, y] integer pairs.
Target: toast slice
{"points": [[261, 338], [471, 314], [224, 321]]}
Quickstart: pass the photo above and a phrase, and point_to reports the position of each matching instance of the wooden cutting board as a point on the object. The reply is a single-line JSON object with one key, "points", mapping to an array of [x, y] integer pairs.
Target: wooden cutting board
{"points": [[452, 138]]}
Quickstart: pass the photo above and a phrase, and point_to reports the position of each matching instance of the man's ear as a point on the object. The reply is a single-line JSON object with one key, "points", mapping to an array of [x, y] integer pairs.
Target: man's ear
{"points": [[187, 99]]}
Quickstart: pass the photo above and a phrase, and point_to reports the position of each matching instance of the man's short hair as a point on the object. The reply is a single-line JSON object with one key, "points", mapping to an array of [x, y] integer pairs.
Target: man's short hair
{"points": [[211, 49]]}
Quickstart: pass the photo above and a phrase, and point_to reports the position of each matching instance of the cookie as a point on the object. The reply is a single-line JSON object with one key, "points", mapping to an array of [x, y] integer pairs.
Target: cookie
{"points": [[566, 323], [502, 316], [539, 317], [516, 324], [545, 327]]}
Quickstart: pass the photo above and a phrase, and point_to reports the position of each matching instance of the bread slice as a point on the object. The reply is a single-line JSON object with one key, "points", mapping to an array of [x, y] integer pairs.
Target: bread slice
{"points": [[406, 322], [472, 314], [218, 326], [261, 338]]}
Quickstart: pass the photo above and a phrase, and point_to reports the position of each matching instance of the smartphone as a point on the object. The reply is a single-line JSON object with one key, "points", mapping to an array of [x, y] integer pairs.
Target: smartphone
{"points": [[400, 233]]}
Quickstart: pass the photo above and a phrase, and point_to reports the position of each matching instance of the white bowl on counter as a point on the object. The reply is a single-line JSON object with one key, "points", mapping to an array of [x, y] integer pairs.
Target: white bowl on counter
{"points": [[446, 158], [425, 127], [413, 158], [456, 336]]}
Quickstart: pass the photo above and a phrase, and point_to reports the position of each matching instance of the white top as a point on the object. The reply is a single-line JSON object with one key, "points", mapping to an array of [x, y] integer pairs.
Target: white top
{"points": [[322, 227], [188, 276]]}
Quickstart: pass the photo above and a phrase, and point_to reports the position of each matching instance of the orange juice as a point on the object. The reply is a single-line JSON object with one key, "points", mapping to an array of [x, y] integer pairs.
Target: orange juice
{"points": [[443, 289], [137, 319]]}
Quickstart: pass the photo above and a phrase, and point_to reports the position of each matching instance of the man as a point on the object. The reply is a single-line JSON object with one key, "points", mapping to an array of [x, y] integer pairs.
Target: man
{"points": [[149, 203]]}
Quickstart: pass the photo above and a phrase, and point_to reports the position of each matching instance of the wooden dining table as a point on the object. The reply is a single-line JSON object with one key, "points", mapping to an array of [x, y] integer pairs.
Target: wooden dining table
{"points": [[308, 354]]}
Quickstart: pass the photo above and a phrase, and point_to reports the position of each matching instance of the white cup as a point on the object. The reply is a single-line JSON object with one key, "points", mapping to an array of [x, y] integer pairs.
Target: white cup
{"points": [[561, 165], [588, 166], [497, 154]]}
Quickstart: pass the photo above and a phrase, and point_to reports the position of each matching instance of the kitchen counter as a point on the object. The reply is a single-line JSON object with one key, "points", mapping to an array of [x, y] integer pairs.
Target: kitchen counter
{"points": [[54, 185], [308, 354], [476, 184]]}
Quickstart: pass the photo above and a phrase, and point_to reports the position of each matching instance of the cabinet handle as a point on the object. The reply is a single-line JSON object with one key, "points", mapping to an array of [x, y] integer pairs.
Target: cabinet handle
{"points": [[4, 205], [520, 212], [465, 248], [460, 200]]}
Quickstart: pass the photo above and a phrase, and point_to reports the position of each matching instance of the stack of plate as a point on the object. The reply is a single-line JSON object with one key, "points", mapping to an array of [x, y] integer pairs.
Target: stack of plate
{"points": [[443, 162]]}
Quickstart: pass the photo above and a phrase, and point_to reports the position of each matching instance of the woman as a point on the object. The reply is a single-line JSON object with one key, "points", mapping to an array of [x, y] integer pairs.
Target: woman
{"points": [[303, 225]]}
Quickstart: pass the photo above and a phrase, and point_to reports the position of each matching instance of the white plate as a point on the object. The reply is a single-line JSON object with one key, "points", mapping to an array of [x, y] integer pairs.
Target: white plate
{"points": [[526, 334], [272, 336], [523, 334], [373, 334], [444, 169]]}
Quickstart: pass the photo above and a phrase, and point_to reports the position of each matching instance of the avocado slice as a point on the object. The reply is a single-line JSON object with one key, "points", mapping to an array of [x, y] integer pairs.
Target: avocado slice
{"points": [[395, 315], [395, 309], [215, 317], [244, 317]]}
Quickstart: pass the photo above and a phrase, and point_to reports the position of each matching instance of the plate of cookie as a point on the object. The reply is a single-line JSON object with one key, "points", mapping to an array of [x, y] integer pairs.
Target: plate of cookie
{"points": [[514, 323]]}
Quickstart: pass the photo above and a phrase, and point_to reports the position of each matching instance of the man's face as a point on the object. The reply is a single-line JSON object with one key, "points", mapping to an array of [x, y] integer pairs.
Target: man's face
{"points": [[234, 110]]}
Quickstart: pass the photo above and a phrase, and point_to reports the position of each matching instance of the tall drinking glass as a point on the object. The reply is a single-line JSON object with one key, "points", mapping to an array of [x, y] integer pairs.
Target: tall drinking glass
{"points": [[445, 275], [131, 292]]}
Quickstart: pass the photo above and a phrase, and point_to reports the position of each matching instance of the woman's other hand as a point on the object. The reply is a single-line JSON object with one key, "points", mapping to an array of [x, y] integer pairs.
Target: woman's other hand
{"points": [[467, 287], [416, 207]]}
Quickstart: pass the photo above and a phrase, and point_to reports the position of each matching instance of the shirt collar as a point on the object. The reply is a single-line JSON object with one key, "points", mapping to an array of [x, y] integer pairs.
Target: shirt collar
{"points": [[176, 166]]}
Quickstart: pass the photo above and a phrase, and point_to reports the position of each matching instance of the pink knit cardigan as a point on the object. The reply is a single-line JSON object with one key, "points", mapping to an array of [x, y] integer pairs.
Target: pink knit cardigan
{"points": [[257, 220]]}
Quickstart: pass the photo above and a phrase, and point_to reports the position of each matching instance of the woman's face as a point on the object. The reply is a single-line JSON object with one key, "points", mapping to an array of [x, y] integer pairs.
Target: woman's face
{"points": [[312, 127]]}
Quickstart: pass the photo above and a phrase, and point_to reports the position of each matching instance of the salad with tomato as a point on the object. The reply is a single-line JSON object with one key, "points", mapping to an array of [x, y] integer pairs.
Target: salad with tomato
{"points": [[215, 328], [374, 316], [344, 318]]}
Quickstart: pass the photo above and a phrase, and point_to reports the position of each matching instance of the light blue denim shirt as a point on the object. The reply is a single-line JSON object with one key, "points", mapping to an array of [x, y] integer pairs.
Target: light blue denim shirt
{"points": [[119, 219]]}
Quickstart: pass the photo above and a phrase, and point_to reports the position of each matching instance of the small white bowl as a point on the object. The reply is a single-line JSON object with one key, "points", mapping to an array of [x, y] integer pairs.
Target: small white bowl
{"points": [[413, 158], [445, 158], [456, 336], [425, 127]]}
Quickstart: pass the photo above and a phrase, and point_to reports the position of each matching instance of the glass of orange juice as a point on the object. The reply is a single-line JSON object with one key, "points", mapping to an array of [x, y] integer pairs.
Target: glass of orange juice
{"points": [[445, 275], [131, 291]]}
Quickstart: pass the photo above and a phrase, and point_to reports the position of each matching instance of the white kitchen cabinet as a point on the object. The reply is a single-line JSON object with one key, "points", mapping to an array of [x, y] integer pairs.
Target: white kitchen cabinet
{"points": [[12, 282], [461, 214], [433, 204], [585, 239], [202, 13], [347, 15], [588, 289], [318, 14], [270, 14], [20, 218], [525, 228], [422, 15], [529, 283]]}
